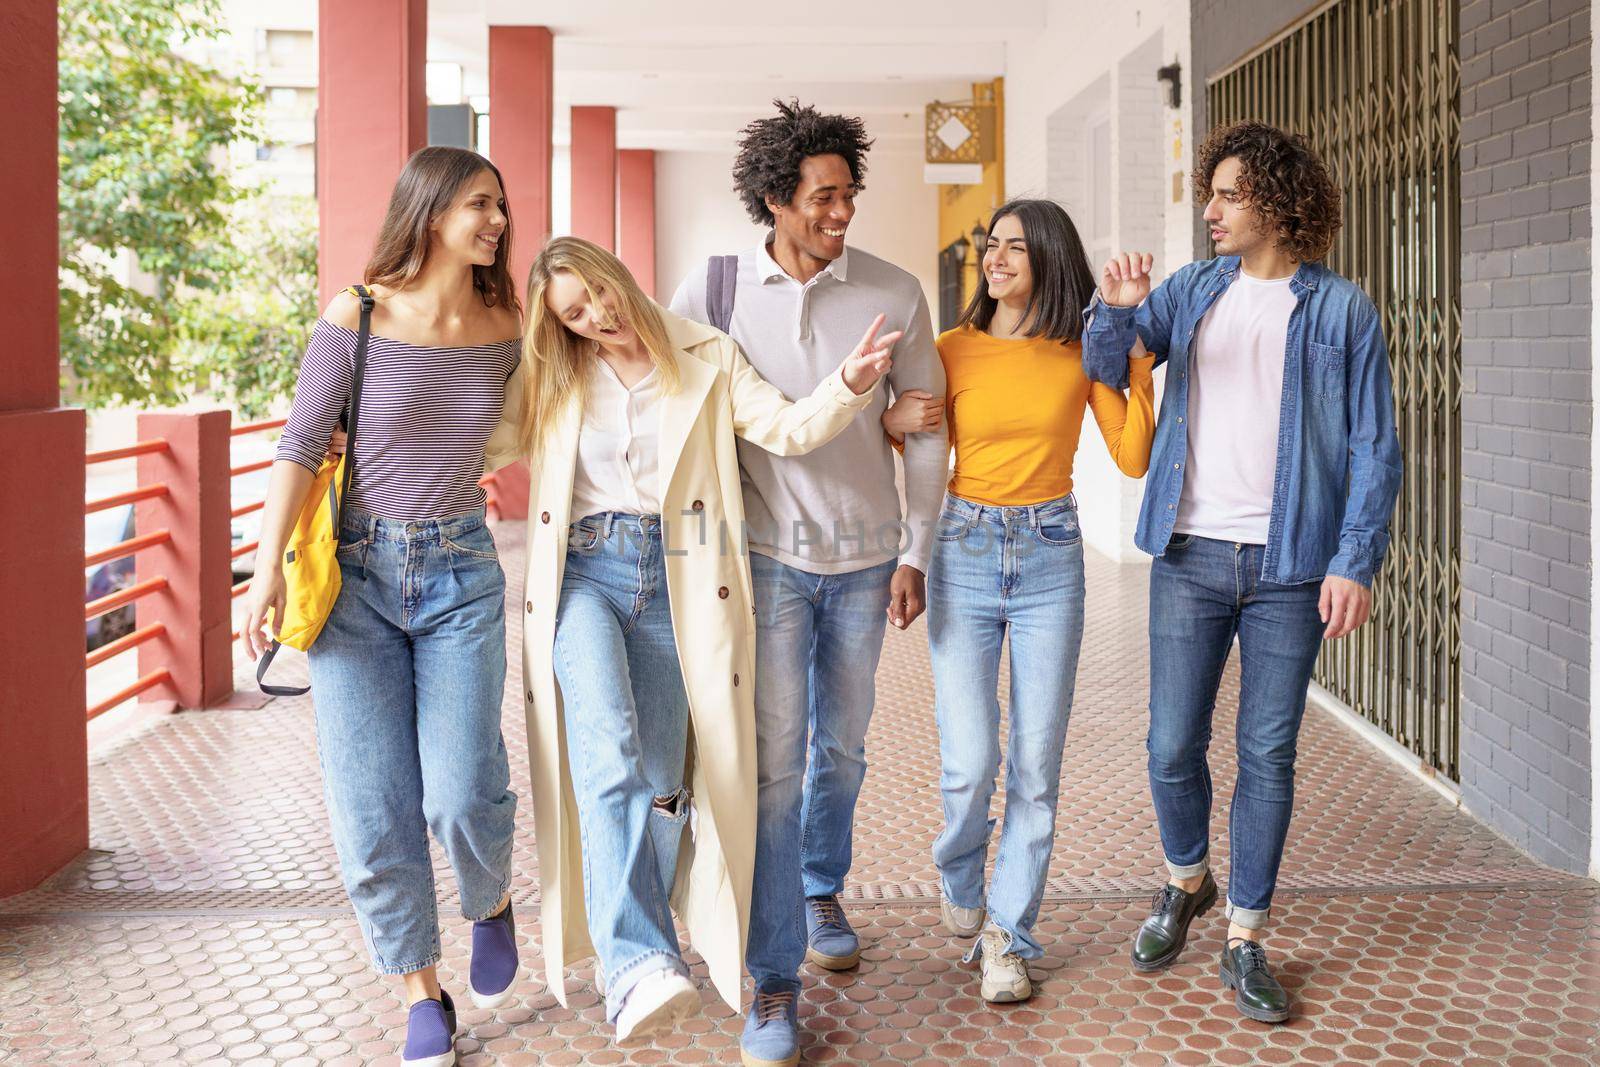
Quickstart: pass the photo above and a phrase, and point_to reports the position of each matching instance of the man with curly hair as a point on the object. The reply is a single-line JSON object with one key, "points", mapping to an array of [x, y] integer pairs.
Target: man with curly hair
{"points": [[1273, 476], [833, 559]]}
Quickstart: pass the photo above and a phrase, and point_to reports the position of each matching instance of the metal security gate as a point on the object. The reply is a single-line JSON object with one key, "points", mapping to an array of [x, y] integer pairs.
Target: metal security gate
{"points": [[1374, 84]]}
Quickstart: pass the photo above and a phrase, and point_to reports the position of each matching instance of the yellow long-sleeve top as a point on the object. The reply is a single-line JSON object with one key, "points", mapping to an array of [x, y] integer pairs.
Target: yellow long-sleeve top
{"points": [[1014, 407]]}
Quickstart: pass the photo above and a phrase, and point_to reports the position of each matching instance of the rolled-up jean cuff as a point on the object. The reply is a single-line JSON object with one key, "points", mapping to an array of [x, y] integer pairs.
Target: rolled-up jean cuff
{"points": [[1193, 870], [1247, 917]]}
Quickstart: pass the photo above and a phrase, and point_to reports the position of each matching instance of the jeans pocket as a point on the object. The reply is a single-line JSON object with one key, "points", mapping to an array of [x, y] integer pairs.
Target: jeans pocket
{"points": [[583, 537], [1060, 530], [477, 543], [952, 526], [1325, 369]]}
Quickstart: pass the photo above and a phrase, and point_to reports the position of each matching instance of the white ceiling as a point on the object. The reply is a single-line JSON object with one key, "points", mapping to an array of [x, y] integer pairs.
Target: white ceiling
{"points": [[688, 74]]}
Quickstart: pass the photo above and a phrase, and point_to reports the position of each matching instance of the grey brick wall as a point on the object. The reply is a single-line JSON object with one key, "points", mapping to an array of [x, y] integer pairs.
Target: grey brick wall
{"points": [[1526, 418]]}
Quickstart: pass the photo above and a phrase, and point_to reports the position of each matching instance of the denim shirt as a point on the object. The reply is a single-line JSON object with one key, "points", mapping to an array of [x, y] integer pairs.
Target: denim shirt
{"points": [[1338, 467]]}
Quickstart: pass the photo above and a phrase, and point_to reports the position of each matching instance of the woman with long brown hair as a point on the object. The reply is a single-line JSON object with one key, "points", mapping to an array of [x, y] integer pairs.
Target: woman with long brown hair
{"points": [[638, 645], [408, 673]]}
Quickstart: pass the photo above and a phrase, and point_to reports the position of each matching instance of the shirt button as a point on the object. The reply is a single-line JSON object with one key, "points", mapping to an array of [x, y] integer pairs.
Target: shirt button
{"points": [[1169, 508], [529, 606], [1177, 466], [544, 517], [699, 505], [530, 696], [736, 681], [723, 592], [1180, 418]]}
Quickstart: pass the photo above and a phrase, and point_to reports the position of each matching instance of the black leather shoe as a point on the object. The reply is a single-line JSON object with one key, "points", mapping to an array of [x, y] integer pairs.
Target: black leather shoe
{"points": [[1163, 935], [1257, 994]]}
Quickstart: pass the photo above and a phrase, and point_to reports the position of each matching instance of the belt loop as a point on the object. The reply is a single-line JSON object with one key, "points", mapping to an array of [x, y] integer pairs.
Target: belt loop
{"points": [[605, 531]]}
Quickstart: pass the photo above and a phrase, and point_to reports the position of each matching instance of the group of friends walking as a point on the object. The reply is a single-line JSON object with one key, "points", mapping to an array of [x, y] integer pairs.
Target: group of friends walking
{"points": [[717, 543]]}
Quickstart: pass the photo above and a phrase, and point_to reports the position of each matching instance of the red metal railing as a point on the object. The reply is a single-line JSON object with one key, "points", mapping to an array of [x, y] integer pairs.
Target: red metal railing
{"points": [[95, 608], [237, 510]]}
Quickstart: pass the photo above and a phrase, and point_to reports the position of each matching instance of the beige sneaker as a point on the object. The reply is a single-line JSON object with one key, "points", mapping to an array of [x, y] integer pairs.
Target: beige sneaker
{"points": [[961, 922], [1005, 974]]}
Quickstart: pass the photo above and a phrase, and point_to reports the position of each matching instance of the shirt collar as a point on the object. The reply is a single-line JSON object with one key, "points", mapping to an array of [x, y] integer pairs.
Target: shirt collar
{"points": [[1307, 275], [769, 270]]}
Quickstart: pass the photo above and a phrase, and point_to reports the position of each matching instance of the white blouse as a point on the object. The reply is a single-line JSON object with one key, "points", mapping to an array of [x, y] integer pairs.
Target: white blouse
{"points": [[618, 446]]}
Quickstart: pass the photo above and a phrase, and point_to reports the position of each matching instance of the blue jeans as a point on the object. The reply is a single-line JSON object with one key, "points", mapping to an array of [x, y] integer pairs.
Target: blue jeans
{"points": [[1203, 593], [818, 638], [407, 677], [994, 571], [626, 716]]}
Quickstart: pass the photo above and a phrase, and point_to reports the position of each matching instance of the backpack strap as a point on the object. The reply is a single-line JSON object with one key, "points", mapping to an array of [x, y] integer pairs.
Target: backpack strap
{"points": [[348, 419], [722, 278], [353, 409]]}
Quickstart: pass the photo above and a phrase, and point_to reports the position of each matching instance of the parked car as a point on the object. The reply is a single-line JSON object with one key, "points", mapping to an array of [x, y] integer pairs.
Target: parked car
{"points": [[102, 529]]}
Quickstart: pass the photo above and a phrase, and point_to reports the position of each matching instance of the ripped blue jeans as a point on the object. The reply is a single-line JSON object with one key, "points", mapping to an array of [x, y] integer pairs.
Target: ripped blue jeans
{"points": [[627, 719]]}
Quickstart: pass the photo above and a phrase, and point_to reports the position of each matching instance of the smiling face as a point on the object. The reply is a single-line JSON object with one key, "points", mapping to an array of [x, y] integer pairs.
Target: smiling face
{"points": [[569, 301], [1235, 227], [815, 219], [474, 224], [1006, 269]]}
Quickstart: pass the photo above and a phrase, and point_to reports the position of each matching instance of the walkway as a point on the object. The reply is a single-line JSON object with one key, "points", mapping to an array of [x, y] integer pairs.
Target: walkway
{"points": [[207, 925]]}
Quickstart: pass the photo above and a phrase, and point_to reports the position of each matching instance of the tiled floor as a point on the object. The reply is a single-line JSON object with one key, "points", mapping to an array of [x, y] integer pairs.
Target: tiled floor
{"points": [[207, 925]]}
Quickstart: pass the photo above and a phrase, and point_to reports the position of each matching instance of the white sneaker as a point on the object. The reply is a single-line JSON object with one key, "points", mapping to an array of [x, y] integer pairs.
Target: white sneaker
{"points": [[961, 922], [1005, 974], [656, 1004]]}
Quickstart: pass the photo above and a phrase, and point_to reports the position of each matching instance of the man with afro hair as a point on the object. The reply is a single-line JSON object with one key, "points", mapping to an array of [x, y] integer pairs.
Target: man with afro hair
{"points": [[833, 558]]}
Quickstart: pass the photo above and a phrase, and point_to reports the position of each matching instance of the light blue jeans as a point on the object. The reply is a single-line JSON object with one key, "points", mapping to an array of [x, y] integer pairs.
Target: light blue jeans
{"points": [[626, 715], [1016, 570], [818, 638], [407, 677]]}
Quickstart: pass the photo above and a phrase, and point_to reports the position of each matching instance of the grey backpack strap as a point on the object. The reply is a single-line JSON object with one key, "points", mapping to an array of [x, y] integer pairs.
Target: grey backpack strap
{"points": [[722, 278]]}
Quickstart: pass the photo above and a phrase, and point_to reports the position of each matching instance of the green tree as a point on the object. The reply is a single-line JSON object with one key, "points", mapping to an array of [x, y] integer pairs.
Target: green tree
{"points": [[145, 132]]}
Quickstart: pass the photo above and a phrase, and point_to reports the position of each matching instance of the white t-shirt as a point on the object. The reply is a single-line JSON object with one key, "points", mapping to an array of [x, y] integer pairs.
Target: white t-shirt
{"points": [[618, 446], [1235, 394]]}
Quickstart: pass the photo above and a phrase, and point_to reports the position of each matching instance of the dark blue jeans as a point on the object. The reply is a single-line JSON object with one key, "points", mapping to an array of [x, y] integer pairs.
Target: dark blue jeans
{"points": [[1203, 593]]}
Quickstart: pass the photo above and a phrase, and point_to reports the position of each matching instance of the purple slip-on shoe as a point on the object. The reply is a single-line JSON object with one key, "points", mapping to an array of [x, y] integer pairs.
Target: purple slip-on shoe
{"points": [[494, 959]]}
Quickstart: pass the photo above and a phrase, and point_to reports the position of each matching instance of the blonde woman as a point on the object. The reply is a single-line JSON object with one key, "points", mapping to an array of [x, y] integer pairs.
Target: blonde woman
{"points": [[639, 633]]}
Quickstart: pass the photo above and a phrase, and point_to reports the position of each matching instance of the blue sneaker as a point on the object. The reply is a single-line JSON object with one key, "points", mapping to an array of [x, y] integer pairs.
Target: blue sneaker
{"points": [[494, 959], [771, 1035], [431, 1033], [830, 942]]}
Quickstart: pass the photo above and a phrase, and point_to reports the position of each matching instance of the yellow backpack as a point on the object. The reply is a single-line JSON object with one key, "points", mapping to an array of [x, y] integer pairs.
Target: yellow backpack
{"points": [[310, 558]]}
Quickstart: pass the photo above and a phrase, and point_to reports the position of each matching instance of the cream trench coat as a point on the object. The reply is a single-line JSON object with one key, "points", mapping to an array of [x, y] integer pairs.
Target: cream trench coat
{"points": [[713, 621]]}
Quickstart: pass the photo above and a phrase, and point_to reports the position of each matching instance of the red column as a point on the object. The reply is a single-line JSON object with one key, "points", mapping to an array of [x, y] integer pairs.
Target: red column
{"points": [[372, 113], [44, 768], [196, 606], [636, 215], [594, 175], [521, 121], [521, 125]]}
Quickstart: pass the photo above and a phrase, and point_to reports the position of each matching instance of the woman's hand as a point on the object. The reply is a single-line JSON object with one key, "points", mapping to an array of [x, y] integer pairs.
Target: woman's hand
{"points": [[913, 411], [267, 592], [337, 443], [870, 361]]}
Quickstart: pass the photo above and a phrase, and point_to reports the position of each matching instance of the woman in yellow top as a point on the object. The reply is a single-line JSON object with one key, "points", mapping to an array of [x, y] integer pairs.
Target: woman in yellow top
{"points": [[1009, 557]]}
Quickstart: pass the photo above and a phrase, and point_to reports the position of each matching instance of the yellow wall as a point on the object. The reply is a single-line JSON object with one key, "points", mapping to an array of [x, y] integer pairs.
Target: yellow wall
{"points": [[961, 207]]}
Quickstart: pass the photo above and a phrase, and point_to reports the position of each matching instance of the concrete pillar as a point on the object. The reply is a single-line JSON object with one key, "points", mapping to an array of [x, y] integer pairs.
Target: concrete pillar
{"points": [[372, 113], [44, 769], [636, 215], [594, 175], [196, 606]]}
